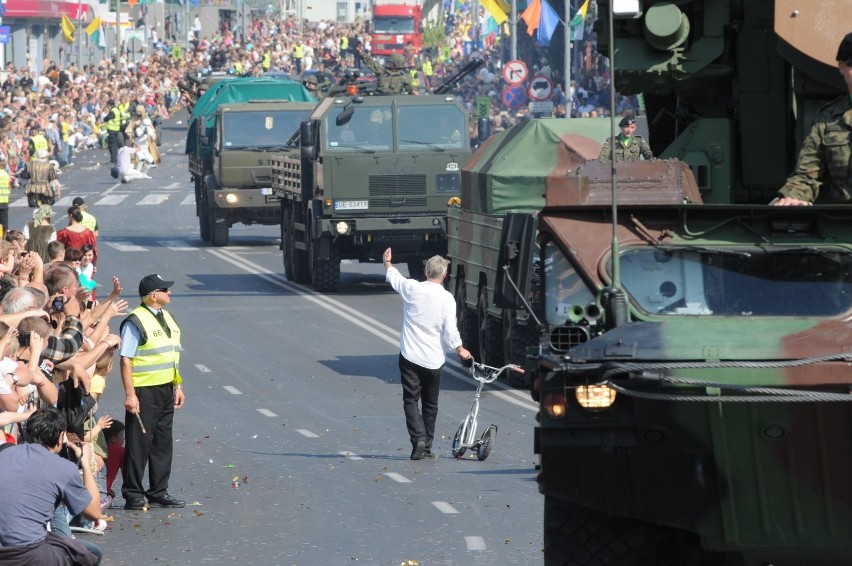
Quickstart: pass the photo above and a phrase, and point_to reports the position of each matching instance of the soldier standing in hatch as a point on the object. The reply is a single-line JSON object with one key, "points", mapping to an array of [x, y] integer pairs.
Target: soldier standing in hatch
{"points": [[391, 80], [628, 147], [825, 158]]}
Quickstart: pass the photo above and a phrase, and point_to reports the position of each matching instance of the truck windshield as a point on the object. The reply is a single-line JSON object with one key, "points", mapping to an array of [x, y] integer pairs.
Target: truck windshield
{"points": [[393, 24], [564, 290], [370, 128], [739, 281], [242, 130], [440, 126]]}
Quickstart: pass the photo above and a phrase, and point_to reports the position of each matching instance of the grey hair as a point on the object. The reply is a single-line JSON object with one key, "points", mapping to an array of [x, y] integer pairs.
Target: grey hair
{"points": [[19, 300], [436, 267]]}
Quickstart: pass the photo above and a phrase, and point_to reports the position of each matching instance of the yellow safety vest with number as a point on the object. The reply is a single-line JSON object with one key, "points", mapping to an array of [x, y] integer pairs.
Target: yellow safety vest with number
{"points": [[157, 361], [5, 186], [114, 123]]}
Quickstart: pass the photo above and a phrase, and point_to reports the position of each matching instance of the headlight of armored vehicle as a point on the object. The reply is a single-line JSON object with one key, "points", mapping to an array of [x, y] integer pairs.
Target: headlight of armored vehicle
{"points": [[554, 404], [342, 228], [595, 397], [231, 198]]}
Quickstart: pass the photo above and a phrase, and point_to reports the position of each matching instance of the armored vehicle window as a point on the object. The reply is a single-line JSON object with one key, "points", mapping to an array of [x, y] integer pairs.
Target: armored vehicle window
{"points": [[432, 126], [243, 130], [739, 282], [564, 291], [370, 128]]}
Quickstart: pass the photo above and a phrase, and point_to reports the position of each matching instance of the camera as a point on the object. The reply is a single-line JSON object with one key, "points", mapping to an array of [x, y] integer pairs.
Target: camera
{"points": [[46, 368], [24, 339], [90, 305], [58, 303]]}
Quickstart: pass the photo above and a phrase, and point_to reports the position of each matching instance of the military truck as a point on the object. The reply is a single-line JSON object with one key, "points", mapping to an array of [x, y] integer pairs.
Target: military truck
{"points": [[692, 369], [373, 172], [233, 131], [508, 173]]}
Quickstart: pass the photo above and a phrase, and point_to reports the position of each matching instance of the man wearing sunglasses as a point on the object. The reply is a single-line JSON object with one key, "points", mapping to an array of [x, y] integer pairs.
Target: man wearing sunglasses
{"points": [[824, 168], [153, 390]]}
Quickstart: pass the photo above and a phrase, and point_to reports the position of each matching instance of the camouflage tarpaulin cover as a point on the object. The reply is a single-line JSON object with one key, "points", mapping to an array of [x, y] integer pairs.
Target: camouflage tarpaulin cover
{"points": [[508, 172], [239, 91]]}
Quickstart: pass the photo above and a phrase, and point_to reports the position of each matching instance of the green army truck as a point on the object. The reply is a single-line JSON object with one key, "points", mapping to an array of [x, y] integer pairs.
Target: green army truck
{"points": [[693, 368], [373, 172], [234, 129]]}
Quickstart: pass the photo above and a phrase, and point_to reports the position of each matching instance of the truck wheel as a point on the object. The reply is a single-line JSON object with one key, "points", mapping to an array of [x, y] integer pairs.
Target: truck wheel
{"points": [[517, 337], [578, 535], [297, 260], [490, 340], [218, 229], [204, 219], [465, 318], [325, 273]]}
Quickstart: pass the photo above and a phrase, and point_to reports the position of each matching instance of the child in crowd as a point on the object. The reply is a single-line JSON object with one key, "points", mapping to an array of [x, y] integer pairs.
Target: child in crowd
{"points": [[115, 453]]}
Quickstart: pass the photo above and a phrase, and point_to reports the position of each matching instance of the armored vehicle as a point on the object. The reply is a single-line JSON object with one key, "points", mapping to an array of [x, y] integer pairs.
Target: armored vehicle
{"points": [[374, 172], [233, 131]]}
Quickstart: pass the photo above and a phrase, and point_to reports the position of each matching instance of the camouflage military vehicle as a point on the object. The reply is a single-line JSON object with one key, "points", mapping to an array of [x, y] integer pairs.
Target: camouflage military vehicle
{"points": [[693, 368], [233, 131], [374, 172]]}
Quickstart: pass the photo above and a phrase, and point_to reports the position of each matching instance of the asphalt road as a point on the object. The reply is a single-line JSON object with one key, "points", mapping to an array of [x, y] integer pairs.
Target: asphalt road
{"points": [[292, 447]]}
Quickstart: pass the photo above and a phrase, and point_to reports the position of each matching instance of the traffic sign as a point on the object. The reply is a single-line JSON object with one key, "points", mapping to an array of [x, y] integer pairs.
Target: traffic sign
{"points": [[541, 107], [514, 97], [540, 88], [515, 72]]}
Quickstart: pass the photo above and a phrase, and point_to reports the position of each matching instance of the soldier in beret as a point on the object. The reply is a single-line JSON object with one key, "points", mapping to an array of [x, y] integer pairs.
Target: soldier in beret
{"points": [[824, 169], [627, 146]]}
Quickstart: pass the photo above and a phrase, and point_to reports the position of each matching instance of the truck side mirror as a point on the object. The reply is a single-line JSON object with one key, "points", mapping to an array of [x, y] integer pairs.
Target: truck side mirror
{"points": [[514, 263], [307, 133], [483, 129]]}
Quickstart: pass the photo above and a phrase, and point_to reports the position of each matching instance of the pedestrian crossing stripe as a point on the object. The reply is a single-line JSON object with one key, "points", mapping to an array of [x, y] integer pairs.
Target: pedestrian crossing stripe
{"points": [[110, 200]]}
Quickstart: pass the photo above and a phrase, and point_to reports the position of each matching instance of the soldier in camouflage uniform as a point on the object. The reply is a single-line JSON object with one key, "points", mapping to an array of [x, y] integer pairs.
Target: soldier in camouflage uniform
{"points": [[394, 79], [825, 158], [628, 147]]}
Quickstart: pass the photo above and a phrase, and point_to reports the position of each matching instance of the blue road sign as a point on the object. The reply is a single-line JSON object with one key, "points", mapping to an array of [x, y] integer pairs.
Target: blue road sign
{"points": [[5, 32], [514, 96]]}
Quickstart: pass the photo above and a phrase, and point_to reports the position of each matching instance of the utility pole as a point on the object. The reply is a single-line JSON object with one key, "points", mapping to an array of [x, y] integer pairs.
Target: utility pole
{"points": [[513, 29], [117, 33], [567, 55], [80, 35]]}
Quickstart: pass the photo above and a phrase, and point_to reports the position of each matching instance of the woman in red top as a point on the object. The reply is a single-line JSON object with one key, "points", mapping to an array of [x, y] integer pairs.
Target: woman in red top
{"points": [[76, 235]]}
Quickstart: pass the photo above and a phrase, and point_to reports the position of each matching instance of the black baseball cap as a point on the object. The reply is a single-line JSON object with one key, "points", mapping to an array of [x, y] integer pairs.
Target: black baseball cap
{"points": [[151, 283], [77, 201], [844, 52], [626, 121]]}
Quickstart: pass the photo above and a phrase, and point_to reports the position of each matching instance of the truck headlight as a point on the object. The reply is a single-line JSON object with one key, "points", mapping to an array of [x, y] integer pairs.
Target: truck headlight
{"points": [[554, 404], [231, 198], [595, 397], [342, 228]]}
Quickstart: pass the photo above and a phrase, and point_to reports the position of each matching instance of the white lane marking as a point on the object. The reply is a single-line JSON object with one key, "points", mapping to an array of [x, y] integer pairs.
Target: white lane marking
{"points": [[350, 455], [444, 507], [19, 202], [397, 477], [202, 368], [306, 433], [177, 245], [371, 325], [111, 200], [126, 247], [266, 413], [190, 199], [475, 543], [153, 199], [173, 186], [64, 202], [232, 390]]}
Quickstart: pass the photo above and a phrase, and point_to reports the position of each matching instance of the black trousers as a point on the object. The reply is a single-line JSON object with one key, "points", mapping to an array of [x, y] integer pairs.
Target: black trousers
{"points": [[115, 140], [4, 216], [421, 385], [154, 448]]}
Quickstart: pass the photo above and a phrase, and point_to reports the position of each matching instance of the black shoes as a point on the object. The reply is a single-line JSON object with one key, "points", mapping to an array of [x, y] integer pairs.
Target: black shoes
{"points": [[165, 501], [135, 504], [419, 448]]}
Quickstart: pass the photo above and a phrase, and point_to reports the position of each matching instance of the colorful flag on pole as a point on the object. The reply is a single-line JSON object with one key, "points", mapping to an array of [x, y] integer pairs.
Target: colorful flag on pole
{"points": [[93, 27], [492, 8], [532, 15], [578, 22], [68, 29], [547, 24]]}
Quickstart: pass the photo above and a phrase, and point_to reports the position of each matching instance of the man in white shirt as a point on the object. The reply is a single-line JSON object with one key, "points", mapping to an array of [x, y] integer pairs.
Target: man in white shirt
{"points": [[124, 162], [428, 326]]}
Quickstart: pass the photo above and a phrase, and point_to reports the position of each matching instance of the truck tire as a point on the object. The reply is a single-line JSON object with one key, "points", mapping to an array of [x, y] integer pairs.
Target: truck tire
{"points": [[218, 229], [489, 333], [325, 273], [465, 317], [297, 260], [204, 218], [518, 335]]}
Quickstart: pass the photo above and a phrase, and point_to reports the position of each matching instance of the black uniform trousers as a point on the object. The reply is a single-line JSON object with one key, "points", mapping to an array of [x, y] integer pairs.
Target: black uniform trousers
{"points": [[154, 448], [115, 141], [4, 216], [421, 385]]}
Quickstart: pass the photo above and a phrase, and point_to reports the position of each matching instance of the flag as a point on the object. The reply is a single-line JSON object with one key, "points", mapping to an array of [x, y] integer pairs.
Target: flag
{"points": [[578, 22], [68, 29], [532, 15], [94, 26], [547, 24], [98, 36], [492, 8]]}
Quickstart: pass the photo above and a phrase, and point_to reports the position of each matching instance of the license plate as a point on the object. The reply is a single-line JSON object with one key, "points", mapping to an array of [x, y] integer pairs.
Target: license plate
{"points": [[350, 205]]}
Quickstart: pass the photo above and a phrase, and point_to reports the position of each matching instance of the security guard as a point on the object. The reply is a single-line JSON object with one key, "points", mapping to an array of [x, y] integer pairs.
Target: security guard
{"points": [[37, 141], [825, 159], [427, 71], [153, 390], [628, 147], [267, 61], [5, 191], [115, 138], [298, 54], [391, 80], [89, 220]]}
